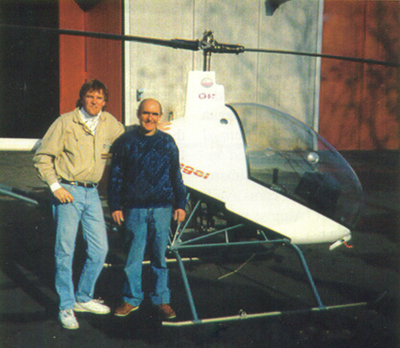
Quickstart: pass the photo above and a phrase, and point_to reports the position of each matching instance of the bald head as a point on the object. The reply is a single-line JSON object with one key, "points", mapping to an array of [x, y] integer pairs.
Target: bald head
{"points": [[144, 101], [149, 114]]}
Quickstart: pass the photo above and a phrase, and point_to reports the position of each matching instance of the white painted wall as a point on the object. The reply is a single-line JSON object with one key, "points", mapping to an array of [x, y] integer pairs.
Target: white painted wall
{"points": [[285, 82]]}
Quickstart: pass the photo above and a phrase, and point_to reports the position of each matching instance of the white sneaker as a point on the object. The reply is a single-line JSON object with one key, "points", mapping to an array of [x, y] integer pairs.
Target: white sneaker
{"points": [[93, 306], [67, 319]]}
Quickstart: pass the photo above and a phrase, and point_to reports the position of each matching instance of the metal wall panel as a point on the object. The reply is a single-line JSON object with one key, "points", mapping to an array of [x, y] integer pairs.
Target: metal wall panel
{"points": [[287, 83]]}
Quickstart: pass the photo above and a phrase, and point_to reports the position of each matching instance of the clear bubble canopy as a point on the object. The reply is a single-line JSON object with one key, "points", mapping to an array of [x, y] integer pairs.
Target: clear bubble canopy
{"points": [[287, 156]]}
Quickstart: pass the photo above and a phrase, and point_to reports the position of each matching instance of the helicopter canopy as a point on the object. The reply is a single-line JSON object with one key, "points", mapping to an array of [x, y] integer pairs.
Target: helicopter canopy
{"points": [[288, 157]]}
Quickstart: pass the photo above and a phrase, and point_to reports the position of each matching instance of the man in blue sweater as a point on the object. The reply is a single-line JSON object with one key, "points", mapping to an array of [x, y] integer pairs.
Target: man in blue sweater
{"points": [[145, 190]]}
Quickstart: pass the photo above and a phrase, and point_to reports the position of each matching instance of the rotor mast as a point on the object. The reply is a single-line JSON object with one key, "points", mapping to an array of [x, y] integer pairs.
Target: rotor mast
{"points": [[206, 43], [209, 45]]}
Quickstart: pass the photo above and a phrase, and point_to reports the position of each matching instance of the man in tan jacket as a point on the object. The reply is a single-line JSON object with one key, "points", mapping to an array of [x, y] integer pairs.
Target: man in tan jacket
{"points": [[71, 159]]}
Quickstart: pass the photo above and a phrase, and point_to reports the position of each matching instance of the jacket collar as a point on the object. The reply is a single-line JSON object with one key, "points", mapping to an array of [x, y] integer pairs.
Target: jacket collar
{"points": [[77, 117]]}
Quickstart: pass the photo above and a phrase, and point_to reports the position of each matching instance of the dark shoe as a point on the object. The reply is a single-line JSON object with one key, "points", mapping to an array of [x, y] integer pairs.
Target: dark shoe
{"points": [[166, 310], [125, 309]]}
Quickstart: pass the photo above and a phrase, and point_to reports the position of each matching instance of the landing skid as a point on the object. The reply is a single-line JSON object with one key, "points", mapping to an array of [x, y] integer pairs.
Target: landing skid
{"points": [[195, 233]]}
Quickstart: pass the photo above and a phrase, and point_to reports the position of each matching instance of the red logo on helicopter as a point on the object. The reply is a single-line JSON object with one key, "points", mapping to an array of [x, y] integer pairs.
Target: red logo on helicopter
{"points": [[190, 170], [207, 96], [207, 82]]}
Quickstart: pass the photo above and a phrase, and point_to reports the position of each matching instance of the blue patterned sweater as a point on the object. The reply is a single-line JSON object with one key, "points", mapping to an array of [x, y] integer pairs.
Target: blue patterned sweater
{"points": [[145, 172]]}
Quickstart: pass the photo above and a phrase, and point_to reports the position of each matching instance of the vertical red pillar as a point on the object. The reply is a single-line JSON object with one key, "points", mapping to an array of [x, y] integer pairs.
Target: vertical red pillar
{"points": [[85, 58]]}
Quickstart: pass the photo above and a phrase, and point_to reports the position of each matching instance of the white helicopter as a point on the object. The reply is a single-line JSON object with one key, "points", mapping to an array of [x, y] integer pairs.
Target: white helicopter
{"points": [[264, 166], [255, 175]]}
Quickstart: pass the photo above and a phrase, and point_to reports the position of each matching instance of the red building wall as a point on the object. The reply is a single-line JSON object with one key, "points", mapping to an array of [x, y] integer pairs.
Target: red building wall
{"points": [[359, 103], [85, 58]]}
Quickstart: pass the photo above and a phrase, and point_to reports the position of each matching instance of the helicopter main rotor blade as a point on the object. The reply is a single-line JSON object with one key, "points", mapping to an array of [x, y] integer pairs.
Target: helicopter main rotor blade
{"points": [[353, 59], [193, 45]]}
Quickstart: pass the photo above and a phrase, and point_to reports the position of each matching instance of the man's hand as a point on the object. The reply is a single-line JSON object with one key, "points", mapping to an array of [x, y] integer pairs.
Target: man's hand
{"points": [[118, 216], [63, 195], [179, 215]]}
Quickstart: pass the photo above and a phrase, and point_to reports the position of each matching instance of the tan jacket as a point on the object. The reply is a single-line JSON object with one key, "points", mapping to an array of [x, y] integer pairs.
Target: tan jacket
{"points": [[69, 150]]}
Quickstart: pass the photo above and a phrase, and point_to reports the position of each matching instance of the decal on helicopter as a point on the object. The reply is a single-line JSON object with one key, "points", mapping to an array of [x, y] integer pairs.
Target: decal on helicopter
{"points": [[190, 170], [207, 82], [206, 96]]}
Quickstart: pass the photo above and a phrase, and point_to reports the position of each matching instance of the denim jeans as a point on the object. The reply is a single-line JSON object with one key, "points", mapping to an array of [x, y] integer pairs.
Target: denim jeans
{"points": [[88, 210], [149, 226]]}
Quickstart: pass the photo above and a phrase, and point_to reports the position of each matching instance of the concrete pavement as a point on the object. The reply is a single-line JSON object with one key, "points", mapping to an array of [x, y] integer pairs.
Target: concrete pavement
{"points": [[368, 272]]}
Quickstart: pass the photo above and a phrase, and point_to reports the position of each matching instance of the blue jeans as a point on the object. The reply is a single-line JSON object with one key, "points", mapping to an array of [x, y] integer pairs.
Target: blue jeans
{"points": [[147, 226], [88, 210]]}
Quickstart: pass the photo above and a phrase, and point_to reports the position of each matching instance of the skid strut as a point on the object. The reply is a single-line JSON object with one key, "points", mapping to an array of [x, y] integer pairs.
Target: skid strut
{"points": [[189, 295], [179, 243]]}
